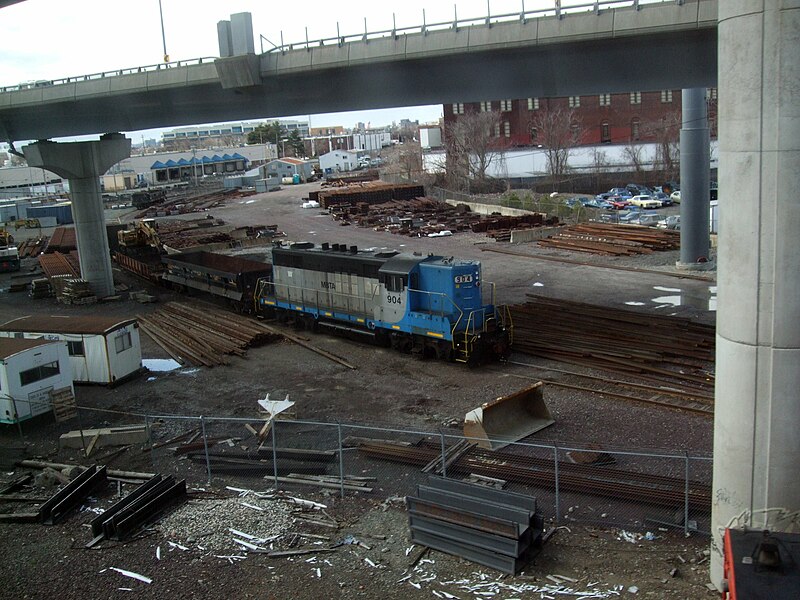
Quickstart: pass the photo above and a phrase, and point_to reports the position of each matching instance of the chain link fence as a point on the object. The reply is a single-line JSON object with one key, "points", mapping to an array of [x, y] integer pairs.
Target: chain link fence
{"points": [[632, 490]]}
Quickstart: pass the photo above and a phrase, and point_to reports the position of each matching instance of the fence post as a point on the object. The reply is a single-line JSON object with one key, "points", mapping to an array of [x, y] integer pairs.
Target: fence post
{"points": [[686, 498], [16, 418], [341, 460], [274, 450], [555, 472], [444, 468], [205, 446], [80, 428]]}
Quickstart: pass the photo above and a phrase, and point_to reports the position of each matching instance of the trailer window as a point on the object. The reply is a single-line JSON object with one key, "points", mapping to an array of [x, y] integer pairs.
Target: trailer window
{"points": [[39, 373], [75, 348], [123, 342]]}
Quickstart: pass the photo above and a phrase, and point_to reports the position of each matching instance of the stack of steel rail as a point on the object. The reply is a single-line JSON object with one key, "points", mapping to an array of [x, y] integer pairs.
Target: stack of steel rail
{"points": [[656, 490], [32, 247], [624, 341], [62, 240], [615, 240], [203, 335], [370, 192], [491, 527]]}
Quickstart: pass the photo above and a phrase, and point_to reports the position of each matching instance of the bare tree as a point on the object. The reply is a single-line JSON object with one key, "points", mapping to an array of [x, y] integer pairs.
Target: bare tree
{"points": [[633, 152], [666, 133], [558, 131], [473, 144]]}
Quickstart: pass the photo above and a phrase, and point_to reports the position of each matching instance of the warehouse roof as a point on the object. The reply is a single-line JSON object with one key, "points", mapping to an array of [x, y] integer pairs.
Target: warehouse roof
{"points": [[11, 346], [64, 324]]}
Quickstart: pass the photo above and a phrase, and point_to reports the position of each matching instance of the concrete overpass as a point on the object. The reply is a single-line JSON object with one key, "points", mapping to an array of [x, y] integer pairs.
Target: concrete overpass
{"points": [[657, 46]]}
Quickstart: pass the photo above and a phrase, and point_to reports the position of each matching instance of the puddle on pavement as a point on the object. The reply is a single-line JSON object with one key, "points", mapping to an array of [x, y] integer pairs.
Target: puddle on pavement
{"points": [[161, 365], [701, 299]]}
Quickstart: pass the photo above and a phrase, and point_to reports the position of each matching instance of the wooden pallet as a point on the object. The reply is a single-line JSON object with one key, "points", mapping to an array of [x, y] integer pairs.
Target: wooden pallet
{"points": [[64, 405]]}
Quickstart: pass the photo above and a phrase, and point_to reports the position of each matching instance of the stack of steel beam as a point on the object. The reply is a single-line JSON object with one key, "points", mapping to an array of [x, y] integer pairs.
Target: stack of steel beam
{"points": [[491, 527]]}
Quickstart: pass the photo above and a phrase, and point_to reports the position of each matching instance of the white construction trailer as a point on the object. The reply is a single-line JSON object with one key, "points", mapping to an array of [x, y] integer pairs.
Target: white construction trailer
{"points": [[31, 372], [103, 350]]}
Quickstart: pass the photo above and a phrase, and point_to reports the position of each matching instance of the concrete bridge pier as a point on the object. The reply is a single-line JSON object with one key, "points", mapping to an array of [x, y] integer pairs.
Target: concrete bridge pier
{"points": [[83, 163], [757, 409]]}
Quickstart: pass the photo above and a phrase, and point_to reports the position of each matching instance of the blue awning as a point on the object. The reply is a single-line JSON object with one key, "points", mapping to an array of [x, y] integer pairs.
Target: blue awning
{"points": [[157, 165], [170, 163], [183, 163], [216, 158]]}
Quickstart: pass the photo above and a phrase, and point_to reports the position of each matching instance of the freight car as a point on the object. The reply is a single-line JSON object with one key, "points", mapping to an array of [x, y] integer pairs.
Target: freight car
{"points": [[218, 274], [430, 306]]}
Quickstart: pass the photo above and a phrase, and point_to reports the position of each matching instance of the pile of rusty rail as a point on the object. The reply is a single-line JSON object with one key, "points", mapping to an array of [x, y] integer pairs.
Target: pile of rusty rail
{"points": [[657, 490], [57, 264], [623, 341], [370, 192], [32, 247], [346, 179], [203, 335], [613, 240], [62, 240], [179, 204]]}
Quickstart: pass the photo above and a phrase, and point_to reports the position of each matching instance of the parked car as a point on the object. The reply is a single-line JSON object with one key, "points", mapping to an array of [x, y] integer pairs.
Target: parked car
{"points": [[622, 192], [602, 204], [645, 201], [670, 222], [663, 198], [650, 219], [636, 189], [573, 202], [676, 196], [618, 203]]}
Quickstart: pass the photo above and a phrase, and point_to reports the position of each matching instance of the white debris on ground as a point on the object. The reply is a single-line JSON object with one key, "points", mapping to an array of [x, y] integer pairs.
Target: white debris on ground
{"points": [[482, 585], [207, 524]]}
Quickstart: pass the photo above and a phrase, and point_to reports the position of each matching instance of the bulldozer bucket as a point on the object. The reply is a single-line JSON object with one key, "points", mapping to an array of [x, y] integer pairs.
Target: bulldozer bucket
{"points": [[508, 419]]}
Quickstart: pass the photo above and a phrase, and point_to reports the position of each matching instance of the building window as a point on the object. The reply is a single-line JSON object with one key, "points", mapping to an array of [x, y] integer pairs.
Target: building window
{"points": [[635, 129], [534, 134], [486, 106], [38, 373], [574, 101], [605, 99], [75, 348], [458, 108], [533, 104], [505, 105], [497, 130], [636, 97], [507, 129], [666, 96], [123, 342], [711, 93], [605, 135]]}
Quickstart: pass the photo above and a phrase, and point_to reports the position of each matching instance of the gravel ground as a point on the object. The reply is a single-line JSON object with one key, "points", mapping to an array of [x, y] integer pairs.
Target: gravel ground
{"points": [[387, 389]]}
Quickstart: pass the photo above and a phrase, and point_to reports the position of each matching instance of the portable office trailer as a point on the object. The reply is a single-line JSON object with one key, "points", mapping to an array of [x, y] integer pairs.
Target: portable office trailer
{"points": [[101, 349], [29, 371]]}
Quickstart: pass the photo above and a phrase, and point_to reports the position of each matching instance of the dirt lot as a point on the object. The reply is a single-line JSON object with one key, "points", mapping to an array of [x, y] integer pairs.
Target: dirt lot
{"points": [[387, 389]]}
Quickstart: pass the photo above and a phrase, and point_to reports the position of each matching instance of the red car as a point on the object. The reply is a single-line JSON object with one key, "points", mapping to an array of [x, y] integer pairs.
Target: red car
{"points": [[618, 203]]}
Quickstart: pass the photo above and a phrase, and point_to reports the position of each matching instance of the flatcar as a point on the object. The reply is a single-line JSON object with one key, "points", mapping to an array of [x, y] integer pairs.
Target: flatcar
{"points": [[430, 306]]}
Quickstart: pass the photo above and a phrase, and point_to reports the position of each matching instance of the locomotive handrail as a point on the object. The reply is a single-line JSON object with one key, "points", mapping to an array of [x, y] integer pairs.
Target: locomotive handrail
{"points": [[443, 295]]}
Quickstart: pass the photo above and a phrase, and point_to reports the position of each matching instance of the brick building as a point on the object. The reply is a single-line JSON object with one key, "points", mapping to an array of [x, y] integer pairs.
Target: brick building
{"points": [[604, 118]]}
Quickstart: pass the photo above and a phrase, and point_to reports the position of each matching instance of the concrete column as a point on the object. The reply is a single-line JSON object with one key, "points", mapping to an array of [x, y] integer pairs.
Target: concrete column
{"points": [[757, 411], [695, 167], [83, 163]]}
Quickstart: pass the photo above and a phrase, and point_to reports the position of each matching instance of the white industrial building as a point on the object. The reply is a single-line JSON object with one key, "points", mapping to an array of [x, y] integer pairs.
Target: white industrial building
{"points": [[430, 137], [372, 141], [339, 161], [288, 167], [31, 371], [101, 349]]}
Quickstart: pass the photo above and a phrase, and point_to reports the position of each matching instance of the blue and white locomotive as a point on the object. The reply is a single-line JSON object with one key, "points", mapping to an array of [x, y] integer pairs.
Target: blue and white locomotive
{"points": [[430, 306]]}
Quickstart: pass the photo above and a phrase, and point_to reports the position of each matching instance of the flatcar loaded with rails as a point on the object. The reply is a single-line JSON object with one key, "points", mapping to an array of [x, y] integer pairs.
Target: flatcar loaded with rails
{"points": [[430, 306]]}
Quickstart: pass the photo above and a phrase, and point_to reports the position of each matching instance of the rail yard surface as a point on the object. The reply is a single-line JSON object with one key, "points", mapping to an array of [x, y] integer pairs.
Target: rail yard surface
{"points": [[597, 403]]}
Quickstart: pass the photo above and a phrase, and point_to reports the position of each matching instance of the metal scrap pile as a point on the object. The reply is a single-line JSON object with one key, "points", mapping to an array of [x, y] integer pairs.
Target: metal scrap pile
{"points": [[32, 247], [180, 203], [430, 217], [204, 335], [614, 240]]}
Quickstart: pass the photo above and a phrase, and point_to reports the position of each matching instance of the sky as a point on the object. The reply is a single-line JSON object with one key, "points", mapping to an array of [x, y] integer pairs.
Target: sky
{"points": [[51, 39]]}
